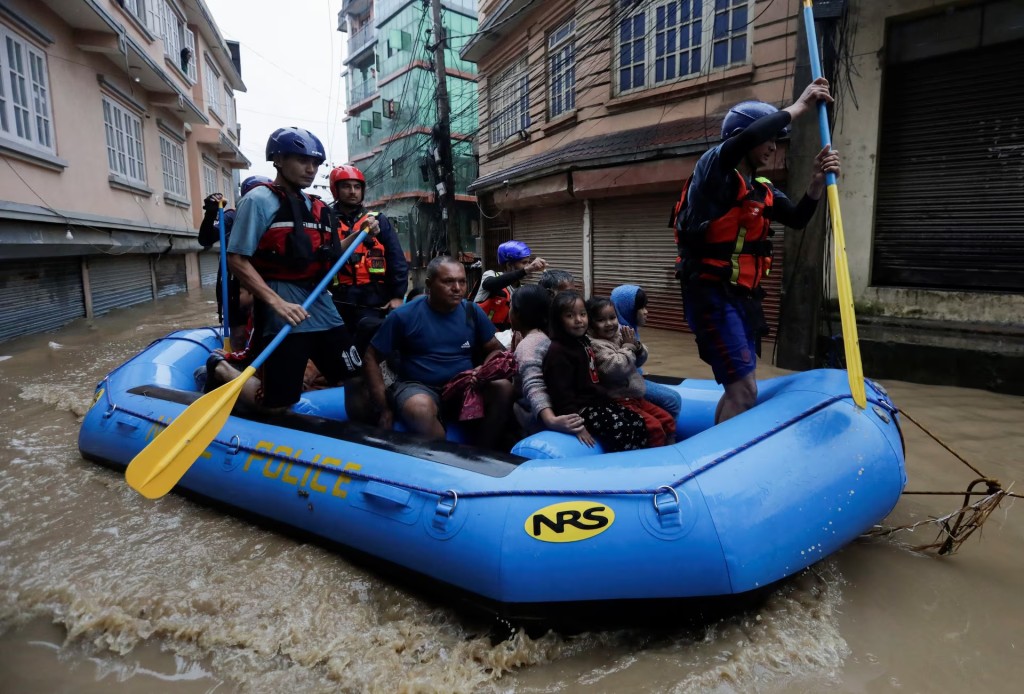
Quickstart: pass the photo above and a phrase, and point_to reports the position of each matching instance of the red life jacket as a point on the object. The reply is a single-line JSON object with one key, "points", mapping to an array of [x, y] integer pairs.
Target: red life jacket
{"points": [[733, 248], [300, 245], [363, 267], [496, 306]]}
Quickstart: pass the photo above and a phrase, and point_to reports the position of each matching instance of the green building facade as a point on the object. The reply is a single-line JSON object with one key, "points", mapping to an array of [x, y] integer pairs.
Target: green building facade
{"points": [[392, 109]]}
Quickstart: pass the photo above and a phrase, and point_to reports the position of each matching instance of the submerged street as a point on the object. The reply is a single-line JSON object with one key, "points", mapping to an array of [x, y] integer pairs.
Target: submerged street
{"points": [[102, 590]]}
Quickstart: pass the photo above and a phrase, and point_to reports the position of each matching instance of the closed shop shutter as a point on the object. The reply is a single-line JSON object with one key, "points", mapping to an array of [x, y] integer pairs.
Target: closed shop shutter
{"points": [[209, 262], [119, 281], [555, 234], [170, 275], [950, 213], [633, 244], [39, 294]]}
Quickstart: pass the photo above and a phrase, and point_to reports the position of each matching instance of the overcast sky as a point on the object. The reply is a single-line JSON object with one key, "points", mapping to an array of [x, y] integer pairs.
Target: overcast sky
{"points": [[291, 66]]}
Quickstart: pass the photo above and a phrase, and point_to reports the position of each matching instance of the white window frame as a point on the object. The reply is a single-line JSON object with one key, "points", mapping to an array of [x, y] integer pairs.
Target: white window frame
{"points": [[229, 106], [562, 69], [190, 44], [154, 20], [671, 53], [225, 179], [211, 87], [172, 34], [126, 155], [26, 115], [509, 102], [209, 179], [172, 163]]}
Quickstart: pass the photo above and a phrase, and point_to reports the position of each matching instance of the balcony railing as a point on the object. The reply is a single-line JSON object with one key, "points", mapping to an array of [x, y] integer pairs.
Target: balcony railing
{"points": [[361, 38], [361, 90]]}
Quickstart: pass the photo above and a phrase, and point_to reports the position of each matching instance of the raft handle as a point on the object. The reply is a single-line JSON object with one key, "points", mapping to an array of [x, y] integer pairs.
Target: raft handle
{"points": [[668, 514], [445, 510]]}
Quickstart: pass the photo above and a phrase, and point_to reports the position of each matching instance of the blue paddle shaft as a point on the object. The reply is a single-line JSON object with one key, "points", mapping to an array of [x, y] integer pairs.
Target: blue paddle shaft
{"points": [[812, 49], [223, 271], [258, 361]]}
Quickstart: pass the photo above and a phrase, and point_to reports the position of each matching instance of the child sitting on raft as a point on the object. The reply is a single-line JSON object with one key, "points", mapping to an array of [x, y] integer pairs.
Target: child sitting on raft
{"points": [[618, 353], [530, 310], [630, 303], [570, 373]]}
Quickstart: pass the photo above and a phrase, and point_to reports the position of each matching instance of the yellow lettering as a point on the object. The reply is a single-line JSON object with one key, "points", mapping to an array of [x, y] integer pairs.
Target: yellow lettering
{"points": [[309, 469], [344, 479], [285, 477], [261, 446]]}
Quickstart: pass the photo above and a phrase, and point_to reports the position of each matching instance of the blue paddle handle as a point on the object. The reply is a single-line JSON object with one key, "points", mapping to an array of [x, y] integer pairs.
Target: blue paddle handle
{"points": [[258, 361], [812, 50], [223, 271]]}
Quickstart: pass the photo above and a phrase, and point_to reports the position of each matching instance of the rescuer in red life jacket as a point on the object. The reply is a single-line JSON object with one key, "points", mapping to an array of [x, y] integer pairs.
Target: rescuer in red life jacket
{"points": [[722, 233], [376, 277], [497, 286], [282, 243]]}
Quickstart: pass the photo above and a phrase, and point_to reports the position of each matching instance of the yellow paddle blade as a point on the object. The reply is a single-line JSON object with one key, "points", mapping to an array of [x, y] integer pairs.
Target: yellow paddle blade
{"points": [[851, 344], [160, 465]]}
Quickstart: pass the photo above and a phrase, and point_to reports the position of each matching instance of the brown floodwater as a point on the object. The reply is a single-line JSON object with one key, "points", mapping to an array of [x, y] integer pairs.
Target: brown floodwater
{"points": [[102, 590]]}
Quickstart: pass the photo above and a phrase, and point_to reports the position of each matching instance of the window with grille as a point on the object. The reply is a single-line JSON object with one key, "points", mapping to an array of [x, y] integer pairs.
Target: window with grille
{"points": [[661, 42], [125, 152], [172, 163], [509, 103], [211, 87], [209, 180], [25, 115], [562, 69]]}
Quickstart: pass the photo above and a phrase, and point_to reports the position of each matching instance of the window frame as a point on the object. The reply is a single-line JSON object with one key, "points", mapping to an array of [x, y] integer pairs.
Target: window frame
{"points": [[173, 167], [211, 87], [210, 172], [30, 106], [655, 52], [117, 132], [229, 187], [508, 103], [561, 69]]}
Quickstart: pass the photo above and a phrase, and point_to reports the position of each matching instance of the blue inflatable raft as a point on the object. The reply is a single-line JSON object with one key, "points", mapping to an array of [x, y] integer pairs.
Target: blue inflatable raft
{"points": [[552, 527]]}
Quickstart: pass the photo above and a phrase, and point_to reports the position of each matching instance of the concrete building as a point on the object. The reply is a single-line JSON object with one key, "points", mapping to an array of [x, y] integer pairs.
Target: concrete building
{"points": [[594, 113], [392, 111], [116, 118]]}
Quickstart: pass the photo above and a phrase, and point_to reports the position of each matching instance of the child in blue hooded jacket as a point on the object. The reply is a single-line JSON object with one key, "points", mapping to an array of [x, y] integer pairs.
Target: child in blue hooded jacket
{"points": [[630, 303]]}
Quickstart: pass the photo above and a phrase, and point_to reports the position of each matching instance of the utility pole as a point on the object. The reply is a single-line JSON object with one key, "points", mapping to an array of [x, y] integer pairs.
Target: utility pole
{"points": [[442, 136]]}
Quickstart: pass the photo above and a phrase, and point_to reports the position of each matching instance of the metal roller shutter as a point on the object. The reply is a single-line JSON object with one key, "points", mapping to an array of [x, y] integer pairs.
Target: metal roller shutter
{"points": [[950, 213], [555, 234], [119, 281], [209, 262], [633, 244], [39, 294], [170, 275]]}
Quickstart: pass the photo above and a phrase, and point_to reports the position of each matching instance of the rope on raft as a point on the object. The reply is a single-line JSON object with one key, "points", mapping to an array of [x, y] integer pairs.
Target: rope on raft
{"points": [[957, 526]]}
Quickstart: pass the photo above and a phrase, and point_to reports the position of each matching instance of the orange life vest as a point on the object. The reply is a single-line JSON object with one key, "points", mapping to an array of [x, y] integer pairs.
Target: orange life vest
{"points": [[734, 248], [496, 306], [301, 244], [367, 264]]}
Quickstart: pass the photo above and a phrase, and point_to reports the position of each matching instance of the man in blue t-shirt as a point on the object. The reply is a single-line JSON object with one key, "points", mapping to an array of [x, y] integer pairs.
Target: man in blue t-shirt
{"points": [[429, 341]]}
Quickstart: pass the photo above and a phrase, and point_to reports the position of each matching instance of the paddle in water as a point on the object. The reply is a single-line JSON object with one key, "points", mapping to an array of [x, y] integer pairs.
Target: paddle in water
{"points": [[161, 464], [854, 369]]}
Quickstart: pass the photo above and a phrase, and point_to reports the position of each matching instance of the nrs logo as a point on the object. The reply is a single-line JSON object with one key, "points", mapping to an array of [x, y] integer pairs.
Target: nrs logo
{"points": [[570, 521]]}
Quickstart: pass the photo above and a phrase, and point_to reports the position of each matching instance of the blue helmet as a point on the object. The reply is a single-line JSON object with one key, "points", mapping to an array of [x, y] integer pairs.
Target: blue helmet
{"points": [[253, 181], [295, 141], [743, 114], [511, 251]]}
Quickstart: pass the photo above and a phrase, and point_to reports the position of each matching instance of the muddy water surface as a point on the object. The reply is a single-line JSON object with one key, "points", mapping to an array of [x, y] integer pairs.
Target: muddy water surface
{"points": [[104, 591]]}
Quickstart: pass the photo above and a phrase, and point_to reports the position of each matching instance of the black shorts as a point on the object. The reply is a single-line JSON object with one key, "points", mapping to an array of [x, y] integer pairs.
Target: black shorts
{"points": [[331, 351]]}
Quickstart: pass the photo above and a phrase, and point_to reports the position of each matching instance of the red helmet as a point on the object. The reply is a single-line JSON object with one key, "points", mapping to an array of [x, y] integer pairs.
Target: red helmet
{"points": [[346, 173]]}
